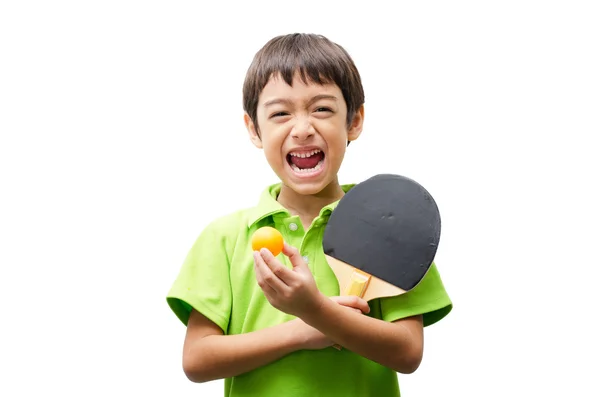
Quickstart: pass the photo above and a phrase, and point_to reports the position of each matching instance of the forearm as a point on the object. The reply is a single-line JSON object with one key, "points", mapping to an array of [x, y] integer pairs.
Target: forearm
{"points": [[390, 344], [222, 356]]}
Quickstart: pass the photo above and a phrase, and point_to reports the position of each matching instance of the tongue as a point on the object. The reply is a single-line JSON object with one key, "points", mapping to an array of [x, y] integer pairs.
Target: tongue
{"points": [[307, 162]]}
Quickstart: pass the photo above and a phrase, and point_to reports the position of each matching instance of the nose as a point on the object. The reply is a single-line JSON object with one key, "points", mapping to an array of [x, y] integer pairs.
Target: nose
{"points": [[302, 129]]}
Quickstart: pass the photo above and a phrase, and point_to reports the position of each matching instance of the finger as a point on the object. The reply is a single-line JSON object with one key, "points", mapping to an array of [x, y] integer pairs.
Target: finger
{"points": [[353, 309], [267, 289], [280, 271], [295, 258], [267, 275], [357, 310], [354, 302], [361, 304]]}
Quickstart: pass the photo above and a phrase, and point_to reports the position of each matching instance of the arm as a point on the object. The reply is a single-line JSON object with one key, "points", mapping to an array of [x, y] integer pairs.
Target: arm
{"points": [[397, 345], [210, 355]]}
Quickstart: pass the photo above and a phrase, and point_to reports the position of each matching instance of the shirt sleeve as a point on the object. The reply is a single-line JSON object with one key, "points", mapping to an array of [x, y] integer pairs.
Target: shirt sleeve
{"points": [[428, 298], [203, 281]]}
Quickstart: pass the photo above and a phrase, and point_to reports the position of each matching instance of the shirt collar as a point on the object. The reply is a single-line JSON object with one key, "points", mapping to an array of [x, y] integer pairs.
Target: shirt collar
{"points": [[269, 206]]}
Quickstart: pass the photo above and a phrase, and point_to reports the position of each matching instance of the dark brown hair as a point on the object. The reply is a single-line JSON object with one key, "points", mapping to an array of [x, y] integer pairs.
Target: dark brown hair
{"points": [[315, 57]]}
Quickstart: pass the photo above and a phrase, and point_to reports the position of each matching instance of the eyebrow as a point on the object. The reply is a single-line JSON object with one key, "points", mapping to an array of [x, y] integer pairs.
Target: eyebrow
{"points": [[287, 101]]}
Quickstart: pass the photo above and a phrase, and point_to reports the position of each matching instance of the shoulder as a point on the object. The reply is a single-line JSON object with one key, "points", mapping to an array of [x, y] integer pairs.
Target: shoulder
{"points": [[230, 222], [226, 228], [428, 298]]}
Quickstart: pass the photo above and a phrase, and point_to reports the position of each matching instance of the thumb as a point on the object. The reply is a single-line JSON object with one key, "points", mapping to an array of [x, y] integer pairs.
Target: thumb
{"points": [[295, 258]]}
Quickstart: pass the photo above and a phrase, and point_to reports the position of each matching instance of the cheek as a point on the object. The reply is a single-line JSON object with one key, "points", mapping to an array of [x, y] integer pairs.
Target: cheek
{"points": [[272, 148], [273, 137], [337, 155], [336, 138]]}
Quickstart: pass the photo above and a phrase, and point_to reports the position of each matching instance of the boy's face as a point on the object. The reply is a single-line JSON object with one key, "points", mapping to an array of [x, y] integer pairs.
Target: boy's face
{"points": [[302, 130]]}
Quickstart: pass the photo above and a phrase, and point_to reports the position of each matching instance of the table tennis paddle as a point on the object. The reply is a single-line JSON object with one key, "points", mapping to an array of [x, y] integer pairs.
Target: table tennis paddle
{"points": [[382, 237]]}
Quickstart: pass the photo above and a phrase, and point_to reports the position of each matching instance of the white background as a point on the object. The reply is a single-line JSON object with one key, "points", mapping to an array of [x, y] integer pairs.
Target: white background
{"points": [[122, 137]]}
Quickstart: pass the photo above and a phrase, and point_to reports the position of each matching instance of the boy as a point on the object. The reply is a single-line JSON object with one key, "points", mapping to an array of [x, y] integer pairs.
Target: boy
{"points": [[264, 324]]}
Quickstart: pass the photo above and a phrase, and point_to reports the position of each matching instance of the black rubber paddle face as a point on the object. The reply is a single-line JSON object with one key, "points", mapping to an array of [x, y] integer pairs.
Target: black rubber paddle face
{"points": [[388, 226]]}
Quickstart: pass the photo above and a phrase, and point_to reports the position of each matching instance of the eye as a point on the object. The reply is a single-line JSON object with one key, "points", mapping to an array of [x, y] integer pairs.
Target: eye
{"points": [[278, 114], [323, 109]]}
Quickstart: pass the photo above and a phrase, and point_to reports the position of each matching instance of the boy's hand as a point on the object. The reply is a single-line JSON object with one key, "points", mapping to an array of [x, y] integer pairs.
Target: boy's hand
{"points": [[311, 338], [293, 291], [355, 303]]}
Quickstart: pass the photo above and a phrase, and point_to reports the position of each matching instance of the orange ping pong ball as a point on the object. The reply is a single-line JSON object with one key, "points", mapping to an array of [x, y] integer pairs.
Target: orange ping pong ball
{"points": [[269, 238]]}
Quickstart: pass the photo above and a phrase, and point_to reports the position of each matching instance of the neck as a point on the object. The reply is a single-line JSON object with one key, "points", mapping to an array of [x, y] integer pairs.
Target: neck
{"points": [[308, 207]]}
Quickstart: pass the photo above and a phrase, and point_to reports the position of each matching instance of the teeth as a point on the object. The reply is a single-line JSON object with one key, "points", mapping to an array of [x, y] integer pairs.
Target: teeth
{"points": [[307, 170], [305, 154]]}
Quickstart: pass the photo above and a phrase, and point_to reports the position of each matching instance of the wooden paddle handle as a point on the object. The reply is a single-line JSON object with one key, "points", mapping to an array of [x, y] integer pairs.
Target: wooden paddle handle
{"points": [[357, 285]]}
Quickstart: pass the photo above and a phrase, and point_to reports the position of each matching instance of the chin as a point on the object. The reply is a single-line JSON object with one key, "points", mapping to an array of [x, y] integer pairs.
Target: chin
{"points": [[307, 189]]}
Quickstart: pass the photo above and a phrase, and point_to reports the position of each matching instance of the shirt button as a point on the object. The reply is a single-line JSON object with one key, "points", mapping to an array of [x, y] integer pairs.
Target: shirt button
{"points": [[293, 227], [305, 258]]}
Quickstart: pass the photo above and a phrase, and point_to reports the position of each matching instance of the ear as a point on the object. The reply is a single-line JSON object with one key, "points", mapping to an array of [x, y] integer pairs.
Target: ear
{"points": [[252, 131], [357, 124]]}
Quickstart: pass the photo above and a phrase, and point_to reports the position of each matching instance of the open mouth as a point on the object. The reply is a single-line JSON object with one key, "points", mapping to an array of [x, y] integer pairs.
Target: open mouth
{"points": [[306, 162]]}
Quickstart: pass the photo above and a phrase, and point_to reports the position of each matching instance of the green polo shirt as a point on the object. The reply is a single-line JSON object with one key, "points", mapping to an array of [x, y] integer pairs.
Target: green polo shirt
{"points": [[217, 279]]}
